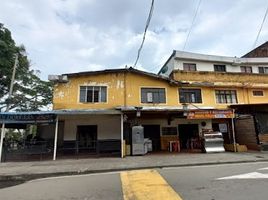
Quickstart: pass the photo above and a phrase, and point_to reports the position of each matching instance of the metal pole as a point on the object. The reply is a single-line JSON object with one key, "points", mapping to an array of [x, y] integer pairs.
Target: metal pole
{"points": [[234, 142], [122, 136], [7, 108], [56, 139]]}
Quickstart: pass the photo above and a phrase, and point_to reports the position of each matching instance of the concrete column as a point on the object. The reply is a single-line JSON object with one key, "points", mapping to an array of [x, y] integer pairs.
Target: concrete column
{"points": [[56, 139], [234, 142]]}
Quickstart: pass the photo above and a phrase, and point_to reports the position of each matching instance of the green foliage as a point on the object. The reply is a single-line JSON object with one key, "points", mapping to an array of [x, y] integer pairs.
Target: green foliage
{"points": [[30, 93]]}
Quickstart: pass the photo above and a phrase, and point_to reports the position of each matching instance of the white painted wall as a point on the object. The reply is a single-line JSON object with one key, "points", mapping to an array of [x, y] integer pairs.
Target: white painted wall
{"points": [[108, 126], [206, 62], [208, 66]]}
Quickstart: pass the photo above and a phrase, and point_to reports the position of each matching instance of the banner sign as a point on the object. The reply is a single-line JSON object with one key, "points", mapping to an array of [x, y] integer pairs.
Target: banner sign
{"points": [[10, 118], [210, 114]]}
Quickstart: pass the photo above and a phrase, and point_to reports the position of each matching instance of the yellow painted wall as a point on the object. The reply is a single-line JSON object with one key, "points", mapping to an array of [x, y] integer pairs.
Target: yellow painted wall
{"points": [[66, 95]]}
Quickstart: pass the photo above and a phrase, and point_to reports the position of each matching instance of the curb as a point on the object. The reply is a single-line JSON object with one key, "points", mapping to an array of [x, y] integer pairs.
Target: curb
{"points": [[28, 177]]}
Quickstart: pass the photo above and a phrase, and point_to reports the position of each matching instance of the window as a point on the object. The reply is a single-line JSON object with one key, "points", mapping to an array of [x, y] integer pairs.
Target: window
{"points": [[246, 69], [189, 66], [153, 95], [258, 93], [219, 68], [93, 94], [226, 96], [263, 70], [190, 96]]}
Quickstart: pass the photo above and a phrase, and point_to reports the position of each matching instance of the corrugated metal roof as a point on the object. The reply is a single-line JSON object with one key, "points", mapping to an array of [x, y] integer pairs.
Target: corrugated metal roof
{"points": [[131, 70]]}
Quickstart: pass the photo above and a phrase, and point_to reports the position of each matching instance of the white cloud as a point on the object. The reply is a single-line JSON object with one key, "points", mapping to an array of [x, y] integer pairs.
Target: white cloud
{"points": [[64, 36]]}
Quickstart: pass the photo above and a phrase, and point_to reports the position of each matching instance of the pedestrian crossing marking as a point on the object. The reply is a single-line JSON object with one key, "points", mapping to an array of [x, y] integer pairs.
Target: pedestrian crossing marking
{"points": [[146, 185], [252, 175]]}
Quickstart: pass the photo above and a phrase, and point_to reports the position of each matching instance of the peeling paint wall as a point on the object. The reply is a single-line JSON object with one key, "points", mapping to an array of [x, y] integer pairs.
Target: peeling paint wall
{"points": [[66, 95]]}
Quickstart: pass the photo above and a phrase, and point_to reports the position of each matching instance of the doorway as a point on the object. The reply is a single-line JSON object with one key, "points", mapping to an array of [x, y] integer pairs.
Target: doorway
{"points": [[87, 138], [186, 133], [153, 133]]}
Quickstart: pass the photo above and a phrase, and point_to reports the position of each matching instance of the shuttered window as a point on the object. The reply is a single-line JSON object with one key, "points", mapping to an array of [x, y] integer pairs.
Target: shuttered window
{"points": [[153, 95], [190, 95], [93, 94]]}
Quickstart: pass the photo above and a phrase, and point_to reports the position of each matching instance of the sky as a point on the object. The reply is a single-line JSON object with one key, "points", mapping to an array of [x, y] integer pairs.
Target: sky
{"points": [[65, 36]]}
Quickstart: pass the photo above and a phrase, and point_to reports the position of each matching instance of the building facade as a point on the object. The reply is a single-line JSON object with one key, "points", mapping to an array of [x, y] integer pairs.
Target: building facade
{"points": [[190, 95], [223, 81]]}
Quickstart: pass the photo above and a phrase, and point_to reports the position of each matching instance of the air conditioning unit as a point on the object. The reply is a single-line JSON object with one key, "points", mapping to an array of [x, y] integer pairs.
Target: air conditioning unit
{"points": [[53, 77], [58, 78]]}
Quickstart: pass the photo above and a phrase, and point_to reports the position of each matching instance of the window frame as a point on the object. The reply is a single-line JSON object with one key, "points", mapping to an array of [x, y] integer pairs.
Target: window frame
{"points": [[244, 69], [226, 95], [101, 89], [192, 91], [188, 67], [217, 66], [155, 91], [263, 69], [257, 95]]}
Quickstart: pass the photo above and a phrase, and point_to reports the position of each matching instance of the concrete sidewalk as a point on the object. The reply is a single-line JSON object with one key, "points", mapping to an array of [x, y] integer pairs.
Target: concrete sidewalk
{"points": [[39, 169]]}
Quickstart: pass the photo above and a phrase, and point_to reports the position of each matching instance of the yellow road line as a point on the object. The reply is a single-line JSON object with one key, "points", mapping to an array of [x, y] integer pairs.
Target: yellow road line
{"points": [[146, 185]]}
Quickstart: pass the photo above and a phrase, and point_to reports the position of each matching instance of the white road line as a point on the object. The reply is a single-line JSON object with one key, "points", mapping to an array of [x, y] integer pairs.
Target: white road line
{"points": [[252, 175], [265, 168]]}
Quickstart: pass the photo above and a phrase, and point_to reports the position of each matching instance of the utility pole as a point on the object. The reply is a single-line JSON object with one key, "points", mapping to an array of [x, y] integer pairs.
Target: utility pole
{"points": [[8, 105]]}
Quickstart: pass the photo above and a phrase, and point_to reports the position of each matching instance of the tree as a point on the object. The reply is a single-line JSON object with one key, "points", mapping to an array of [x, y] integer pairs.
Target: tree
{"points": [[30, 93]]}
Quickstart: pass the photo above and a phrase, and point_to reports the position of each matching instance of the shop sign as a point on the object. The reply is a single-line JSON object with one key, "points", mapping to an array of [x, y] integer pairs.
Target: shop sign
{"points": [[210, 114], [27, 118]]}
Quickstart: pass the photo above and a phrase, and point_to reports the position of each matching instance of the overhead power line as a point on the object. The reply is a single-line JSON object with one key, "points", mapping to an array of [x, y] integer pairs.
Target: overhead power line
{"points": [[145, 30], [263, 20], [190, 30]]}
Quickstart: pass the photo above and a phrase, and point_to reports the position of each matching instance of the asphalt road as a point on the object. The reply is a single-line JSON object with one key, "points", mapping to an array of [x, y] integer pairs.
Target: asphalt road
{"points": [[233, 181]]}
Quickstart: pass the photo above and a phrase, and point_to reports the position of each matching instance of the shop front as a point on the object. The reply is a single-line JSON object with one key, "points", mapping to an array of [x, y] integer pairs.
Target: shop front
{"points": [[172, 129], [61, 134]]}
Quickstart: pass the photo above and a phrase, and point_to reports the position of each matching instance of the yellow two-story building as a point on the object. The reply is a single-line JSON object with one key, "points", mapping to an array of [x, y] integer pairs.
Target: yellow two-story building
{"points": [[189, 96]]}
